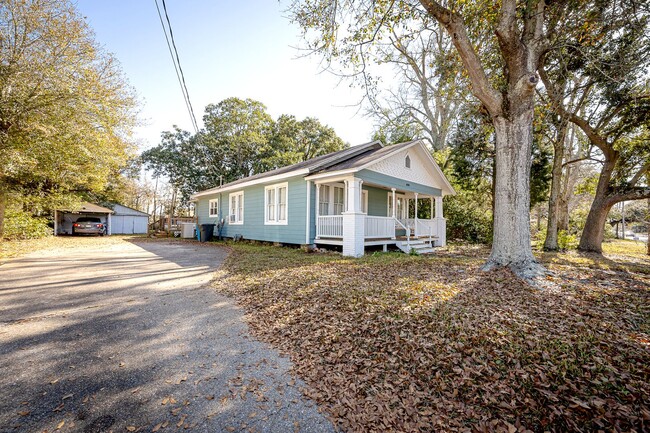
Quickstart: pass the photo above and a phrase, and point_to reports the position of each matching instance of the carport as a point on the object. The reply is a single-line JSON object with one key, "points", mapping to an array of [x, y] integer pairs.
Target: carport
{"points": [[64, 218]]}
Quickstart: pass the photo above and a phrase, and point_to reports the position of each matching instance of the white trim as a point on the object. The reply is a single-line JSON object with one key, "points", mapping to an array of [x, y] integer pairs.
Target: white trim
{"points": [[242, 185], [276, 205], [240, 204], [331, 173], [308, 213], [364, 200], [216, 214]]}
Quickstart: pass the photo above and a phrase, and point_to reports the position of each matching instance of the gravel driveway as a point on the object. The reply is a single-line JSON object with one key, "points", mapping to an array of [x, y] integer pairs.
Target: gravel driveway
{"points": [[128, 336]]}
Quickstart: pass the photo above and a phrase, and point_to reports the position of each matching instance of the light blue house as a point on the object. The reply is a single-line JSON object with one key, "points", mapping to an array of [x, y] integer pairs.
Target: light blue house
{"points": [[356, 197]]}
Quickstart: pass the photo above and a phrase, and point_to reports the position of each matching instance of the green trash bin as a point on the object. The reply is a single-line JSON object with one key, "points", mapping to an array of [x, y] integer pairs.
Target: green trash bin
{"points": [[207, 231]]}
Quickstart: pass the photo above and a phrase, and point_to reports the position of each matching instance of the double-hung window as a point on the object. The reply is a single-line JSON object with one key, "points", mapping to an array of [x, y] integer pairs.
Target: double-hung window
{"points": [[339, 200], [237, 208], [275, 204], [213, 208], [324, 200]]}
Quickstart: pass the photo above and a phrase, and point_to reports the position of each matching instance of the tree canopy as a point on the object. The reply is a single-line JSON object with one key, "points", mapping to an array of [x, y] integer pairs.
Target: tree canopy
{"points": [[239, 139], [66, 111]]}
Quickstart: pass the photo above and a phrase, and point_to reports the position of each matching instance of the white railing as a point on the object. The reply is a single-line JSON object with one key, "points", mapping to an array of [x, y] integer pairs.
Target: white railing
{"points": [[379, 227], [329, 226], [423, 228], [398, 223]]}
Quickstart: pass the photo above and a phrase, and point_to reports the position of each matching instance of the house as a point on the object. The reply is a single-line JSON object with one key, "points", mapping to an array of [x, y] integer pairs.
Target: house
{"points": [[119, 220], [354, 198]]}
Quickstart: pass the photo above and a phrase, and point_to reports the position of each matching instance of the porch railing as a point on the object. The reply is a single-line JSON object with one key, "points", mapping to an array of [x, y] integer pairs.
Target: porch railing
{"points": [[379, 227], [329, 226], [423, 228]]}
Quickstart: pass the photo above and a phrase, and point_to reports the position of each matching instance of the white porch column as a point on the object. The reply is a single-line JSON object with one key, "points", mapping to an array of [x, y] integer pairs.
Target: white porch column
{"points": [[416, 207], [431, 208], [353, 220], [56, 223], [394, 204], [110, 228], [441, 224], [317, 208]]}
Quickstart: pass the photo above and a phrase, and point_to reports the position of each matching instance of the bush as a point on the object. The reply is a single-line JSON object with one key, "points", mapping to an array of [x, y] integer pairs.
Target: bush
{"points": [[566, 241], [466, 221], [22, 225]]}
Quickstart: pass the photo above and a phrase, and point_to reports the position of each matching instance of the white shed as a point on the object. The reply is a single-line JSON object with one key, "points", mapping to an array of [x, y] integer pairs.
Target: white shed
{"points": [[128, 221]]}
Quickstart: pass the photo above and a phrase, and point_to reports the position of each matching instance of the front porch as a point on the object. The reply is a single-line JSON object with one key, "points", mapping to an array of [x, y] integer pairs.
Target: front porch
{"points": [[355, 214]]}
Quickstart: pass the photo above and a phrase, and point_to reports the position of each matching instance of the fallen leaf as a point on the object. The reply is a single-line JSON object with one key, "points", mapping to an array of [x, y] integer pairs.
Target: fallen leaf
{"points": [[23, 413], [131, 428], [59, 425]]}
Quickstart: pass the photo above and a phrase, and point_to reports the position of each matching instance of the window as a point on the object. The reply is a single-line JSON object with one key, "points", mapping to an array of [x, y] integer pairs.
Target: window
{"points": [[275, 203], [407, 161], [214, 208], [339, 200], [400, 212], [324, 200], [237, 208]]}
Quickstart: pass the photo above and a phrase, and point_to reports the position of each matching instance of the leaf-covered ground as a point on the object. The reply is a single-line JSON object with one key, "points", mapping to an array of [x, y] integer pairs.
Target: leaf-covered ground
{"points": [[17, 248], [392, 342]]}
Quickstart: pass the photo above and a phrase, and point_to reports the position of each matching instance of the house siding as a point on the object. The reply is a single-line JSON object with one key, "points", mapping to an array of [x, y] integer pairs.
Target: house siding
{"points": [[393, 182], [377, 201], [253, 227]]}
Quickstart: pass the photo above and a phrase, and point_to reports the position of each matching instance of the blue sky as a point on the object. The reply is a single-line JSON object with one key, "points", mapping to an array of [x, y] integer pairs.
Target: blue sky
{"points": [[242, 49]]}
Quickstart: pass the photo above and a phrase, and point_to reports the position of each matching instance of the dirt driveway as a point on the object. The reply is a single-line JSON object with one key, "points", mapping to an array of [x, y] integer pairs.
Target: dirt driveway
{"points": [[128, 337]]}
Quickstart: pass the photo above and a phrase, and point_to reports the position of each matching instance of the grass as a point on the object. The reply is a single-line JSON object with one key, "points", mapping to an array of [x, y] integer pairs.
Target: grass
{"points": [[392, 342]]}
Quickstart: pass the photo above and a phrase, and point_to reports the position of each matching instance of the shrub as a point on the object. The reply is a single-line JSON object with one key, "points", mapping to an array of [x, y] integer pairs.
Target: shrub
{"points": [[22, 225], [466, 221], [566, 241]]}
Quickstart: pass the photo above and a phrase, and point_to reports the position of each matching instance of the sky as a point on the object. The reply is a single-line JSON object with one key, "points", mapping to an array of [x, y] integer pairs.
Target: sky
{"points": [[243, 49]]}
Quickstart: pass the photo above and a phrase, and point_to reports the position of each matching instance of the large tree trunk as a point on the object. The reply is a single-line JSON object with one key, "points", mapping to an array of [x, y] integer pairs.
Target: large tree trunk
{"points": [[511, 243], [550, 243], [592, 235], [3, 206]]}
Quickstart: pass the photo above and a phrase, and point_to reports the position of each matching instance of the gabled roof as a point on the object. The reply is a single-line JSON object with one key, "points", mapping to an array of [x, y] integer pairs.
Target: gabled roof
{"points": [[351, 159], [88, 208], [313, 165], [130, 211]]}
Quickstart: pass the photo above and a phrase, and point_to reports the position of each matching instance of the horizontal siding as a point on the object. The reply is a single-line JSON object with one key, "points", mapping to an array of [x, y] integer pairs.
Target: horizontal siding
{"points": [[399, 184], [377, 201], [253, 227]]}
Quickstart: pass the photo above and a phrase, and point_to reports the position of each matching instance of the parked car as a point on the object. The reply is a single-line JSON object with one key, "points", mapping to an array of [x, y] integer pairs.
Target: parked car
{"points": [[88, 226]]}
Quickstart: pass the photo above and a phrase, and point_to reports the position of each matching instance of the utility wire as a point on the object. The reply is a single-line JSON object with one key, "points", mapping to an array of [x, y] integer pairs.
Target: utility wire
{"points": [[177, 63]]}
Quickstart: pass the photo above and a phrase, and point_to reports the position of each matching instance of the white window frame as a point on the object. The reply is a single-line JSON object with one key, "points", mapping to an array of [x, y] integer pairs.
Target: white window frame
{"points": [[338, 207], [275, 218], [235, 217], [403, 208], [210, 208]]}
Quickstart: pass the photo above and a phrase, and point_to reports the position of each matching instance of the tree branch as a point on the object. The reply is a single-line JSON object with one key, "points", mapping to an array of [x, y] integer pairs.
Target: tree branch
{"points": [[454, 25]]}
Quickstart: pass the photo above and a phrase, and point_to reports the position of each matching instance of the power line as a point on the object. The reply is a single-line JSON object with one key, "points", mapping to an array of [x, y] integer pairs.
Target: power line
{"points": [[177, 63]]}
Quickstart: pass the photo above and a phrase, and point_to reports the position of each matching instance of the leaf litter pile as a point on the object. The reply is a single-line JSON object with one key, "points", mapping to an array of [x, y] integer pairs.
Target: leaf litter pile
{"points": [[401, 343]]}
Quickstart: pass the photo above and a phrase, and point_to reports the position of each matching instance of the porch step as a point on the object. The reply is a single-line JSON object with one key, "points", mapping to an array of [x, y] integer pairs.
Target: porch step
{"points": [[419, 246]]}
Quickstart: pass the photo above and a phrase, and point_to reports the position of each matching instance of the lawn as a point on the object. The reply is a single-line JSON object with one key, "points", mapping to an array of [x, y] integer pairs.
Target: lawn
{"points": [[392, 342]]}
